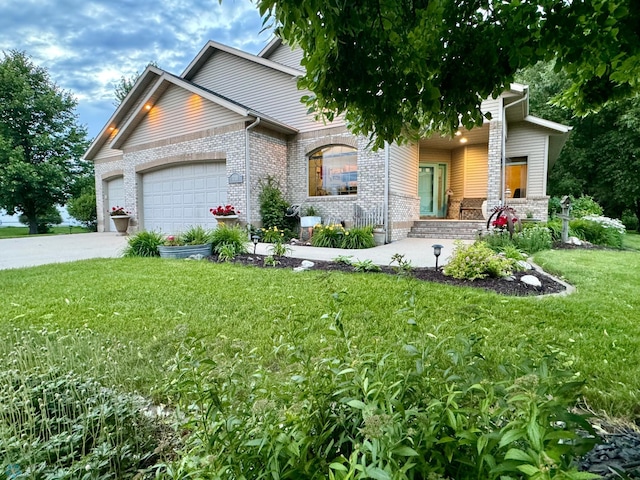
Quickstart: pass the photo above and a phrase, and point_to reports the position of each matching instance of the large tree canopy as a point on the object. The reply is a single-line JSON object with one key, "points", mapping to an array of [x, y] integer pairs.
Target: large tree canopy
{"points": [[405, 68], [40, 140]]}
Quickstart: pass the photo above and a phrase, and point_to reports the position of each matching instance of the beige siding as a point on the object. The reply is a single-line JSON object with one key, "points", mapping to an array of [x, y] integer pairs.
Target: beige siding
{"points": [[179, 112], [259, 87], [475, 171], [531, 142], [403, 169], [284, 55], [457, 173], [492, 105], [432, 155], [105, 152]]}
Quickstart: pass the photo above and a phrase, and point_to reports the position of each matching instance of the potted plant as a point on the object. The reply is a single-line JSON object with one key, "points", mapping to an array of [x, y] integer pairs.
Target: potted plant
{"points": [[226, 215], [310, 218], [121, 218], [195, 241]]}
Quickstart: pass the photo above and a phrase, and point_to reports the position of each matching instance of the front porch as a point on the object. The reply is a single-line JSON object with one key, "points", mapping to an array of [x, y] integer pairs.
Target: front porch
{"points": [[447, 228]]}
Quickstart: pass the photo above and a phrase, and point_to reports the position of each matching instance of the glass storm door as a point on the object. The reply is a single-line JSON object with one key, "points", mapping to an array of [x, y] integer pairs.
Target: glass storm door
{"points": [[432, 183]]}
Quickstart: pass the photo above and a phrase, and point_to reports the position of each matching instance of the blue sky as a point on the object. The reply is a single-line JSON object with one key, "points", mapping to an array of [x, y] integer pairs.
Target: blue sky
{"points": [[87, 45]]}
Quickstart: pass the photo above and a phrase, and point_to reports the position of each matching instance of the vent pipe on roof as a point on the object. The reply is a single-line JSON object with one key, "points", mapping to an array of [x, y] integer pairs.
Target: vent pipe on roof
{"points": [[247, 173]]}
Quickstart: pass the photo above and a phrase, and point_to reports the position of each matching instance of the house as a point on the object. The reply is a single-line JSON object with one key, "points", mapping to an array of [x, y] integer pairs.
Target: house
{"points": [[181, 144]]}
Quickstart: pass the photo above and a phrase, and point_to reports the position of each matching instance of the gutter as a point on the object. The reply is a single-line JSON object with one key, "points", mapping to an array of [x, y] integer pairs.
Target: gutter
{"points": [[503, 173], [247, 167], [385, 205]]}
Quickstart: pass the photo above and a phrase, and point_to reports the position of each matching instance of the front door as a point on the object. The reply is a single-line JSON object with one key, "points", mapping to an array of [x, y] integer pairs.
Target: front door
{"points": [[432, 183]]}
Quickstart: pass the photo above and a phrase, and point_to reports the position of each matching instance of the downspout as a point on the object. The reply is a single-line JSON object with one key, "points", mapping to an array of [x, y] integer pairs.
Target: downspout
{"points": [[503, 172], [247, 168], [385, 205]]}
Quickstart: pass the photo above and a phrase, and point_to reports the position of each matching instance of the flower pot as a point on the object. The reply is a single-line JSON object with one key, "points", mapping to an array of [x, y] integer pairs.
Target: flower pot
{"points": [[227, 220], [308, 221], [379, 236], [184, 251], [121, 223]]}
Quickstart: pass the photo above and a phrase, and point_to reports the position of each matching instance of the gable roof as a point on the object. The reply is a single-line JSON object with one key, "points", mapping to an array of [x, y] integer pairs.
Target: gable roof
{"points": [[270, 47], [164, 82], [211, 47]]}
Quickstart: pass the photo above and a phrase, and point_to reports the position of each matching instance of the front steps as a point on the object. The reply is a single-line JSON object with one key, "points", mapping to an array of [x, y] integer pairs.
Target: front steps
{"points": [[447, 229]]}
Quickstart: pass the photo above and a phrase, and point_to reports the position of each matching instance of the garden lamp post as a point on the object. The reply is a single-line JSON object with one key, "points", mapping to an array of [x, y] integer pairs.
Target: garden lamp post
{"points": [[254, 239], [437, 250]]}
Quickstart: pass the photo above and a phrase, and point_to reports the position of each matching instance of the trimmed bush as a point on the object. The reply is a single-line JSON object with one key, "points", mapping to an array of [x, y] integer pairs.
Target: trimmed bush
{"points": [[83, 209], [273, 207], [477, 261]]}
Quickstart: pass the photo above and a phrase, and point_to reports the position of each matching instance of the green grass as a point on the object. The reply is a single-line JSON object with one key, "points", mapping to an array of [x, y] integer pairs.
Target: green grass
{"points": [[126, 317], [13, 232], [631, 241]]}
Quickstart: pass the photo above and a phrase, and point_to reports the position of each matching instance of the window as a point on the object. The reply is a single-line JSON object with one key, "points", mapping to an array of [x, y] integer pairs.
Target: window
{"points": [[516, 176], [333, 171]]}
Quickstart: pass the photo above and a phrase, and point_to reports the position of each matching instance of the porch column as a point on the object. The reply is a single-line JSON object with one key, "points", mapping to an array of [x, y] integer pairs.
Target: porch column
{"points": [[494, 164]]}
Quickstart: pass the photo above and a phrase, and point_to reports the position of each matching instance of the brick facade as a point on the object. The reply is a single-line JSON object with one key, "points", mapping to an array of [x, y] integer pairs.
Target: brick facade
{"points": [[494, 164]]}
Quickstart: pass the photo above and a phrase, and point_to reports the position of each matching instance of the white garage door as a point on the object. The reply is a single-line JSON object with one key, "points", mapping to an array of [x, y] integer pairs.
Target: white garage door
{"points": [[115, 198], [178, 197]]}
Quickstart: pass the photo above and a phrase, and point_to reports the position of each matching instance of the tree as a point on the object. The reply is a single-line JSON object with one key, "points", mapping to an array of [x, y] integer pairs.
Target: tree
{"points": [[407, 68], [125, 84], [40, 140], [602, 156]]}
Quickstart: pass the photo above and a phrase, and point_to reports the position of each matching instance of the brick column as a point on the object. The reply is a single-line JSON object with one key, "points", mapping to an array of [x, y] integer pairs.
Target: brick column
{"points": [[494, 164]]}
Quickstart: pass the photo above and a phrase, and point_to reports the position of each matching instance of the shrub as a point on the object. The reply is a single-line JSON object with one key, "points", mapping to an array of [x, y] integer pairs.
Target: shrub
{"points": [[555, 207], [584, 205], [83, 209], [273, 206], [56, 424], [630, 220], [417, 411], [607, 222], [596, 233], [230, 241], [497, 239], [533, 239], [477, 261], [358, 237], [271, 234], [144, 244], [555, 228], [327, 235]]}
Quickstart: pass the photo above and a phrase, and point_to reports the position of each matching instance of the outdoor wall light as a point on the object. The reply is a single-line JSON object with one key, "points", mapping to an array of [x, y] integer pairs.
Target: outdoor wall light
{"points": [[437, 250], [254, 239]]}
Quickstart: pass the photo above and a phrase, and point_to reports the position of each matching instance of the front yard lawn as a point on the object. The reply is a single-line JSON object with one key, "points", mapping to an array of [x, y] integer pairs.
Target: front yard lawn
{"points": [[14, 232], [125, 318]]}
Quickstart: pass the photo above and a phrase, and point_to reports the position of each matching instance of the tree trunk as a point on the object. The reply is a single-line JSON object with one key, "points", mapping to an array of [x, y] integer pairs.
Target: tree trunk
{"points": [[33, 224], [638, 212]]}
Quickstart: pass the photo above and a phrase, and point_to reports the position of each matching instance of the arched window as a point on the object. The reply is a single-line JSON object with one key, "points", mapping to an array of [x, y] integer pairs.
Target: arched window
{"points": [[333, 170]]}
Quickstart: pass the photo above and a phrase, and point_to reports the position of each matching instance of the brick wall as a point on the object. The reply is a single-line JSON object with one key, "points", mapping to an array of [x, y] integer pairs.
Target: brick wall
{"points": [[494, 162], [403, 211]]}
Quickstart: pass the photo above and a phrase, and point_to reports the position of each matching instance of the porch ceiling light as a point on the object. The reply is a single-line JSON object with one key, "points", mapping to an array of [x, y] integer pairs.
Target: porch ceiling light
{"points": [[458, 133], [437, 250], [147, 106], [463, 140]]}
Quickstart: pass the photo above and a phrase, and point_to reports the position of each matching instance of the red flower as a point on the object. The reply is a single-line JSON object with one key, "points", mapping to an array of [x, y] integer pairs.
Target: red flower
{"points": [[221, 211]]}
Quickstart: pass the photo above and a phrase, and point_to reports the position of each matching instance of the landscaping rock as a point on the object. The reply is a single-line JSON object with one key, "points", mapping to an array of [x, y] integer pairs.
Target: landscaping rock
{"points": [[531, 280], [307, 264], [525, 265], [574, 241], [509, 278], [196, 257]]}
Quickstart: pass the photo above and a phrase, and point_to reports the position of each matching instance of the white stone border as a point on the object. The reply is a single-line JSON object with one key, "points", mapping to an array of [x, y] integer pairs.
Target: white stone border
{"points": [[569, 288]]}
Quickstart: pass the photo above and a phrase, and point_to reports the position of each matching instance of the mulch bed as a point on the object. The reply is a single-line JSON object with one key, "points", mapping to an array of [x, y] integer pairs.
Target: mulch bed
{"points": [[501, 286]]}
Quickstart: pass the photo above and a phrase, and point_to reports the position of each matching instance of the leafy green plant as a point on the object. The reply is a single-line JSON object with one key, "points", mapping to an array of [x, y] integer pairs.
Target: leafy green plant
{"points": [[56, 424], [497, 239], [358, 237], [596, 233], [311, 211], [270, 261], [144, 244], [403, 266], [630, 220], [83, 209], [477, 260], [51, 216], [584, 205], [232, 239], [555, 228], [271, 234], [279, 249], [196, 235], [422, 410], [329, 236], [533, 239], [273, 206], [365, 266], [344, 259], [226, 253]]}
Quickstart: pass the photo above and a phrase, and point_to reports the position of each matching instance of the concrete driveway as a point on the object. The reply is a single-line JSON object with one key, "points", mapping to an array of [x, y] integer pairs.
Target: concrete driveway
{"points": [[41, 250]]}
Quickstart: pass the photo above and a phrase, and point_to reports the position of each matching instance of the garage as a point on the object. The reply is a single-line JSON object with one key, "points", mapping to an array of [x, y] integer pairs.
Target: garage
{"points": [[177, 197], [115, 198]]}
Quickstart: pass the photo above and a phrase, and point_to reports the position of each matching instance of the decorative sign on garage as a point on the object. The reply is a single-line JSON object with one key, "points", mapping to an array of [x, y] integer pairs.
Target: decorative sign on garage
{"points": [[235, 178]]}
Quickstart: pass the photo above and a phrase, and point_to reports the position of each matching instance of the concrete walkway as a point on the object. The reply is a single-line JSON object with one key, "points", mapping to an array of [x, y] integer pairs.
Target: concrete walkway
{"points": [[42, 250]]}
